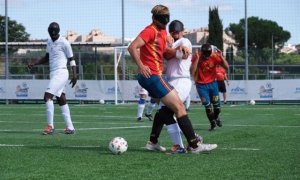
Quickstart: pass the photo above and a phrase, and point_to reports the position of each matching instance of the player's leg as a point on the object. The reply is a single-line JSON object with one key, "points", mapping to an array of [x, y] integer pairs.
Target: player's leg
{"points": [[49, 113], [187, 102], [65, 112], [216, 103], [158, 87], [204, 95], [150, 107], [141, 107], [157, 126]]}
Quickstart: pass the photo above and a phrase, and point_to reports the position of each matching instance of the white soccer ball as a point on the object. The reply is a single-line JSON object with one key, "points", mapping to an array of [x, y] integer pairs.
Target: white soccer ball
{"points": [[101, 101], [252, 102], [118, 145]]}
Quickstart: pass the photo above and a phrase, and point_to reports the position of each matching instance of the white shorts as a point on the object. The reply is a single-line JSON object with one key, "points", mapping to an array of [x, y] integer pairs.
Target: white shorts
{"points": [[183, 86], [58, 80], [143, 91]]}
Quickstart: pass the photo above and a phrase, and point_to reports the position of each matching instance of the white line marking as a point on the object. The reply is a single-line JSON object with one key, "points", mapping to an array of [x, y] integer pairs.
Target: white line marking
{"points": [[11, 145], [136, 127], [71, 146], [91, 146], [241, 149]]}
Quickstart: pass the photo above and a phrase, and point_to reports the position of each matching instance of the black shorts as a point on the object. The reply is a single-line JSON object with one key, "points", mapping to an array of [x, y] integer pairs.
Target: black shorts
{"points": [[222, 87]]}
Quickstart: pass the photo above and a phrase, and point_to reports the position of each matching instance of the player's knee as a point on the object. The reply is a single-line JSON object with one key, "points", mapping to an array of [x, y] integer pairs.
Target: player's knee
{"points": [[142, 101], [47, 97], [167, 115], [61, 100]]}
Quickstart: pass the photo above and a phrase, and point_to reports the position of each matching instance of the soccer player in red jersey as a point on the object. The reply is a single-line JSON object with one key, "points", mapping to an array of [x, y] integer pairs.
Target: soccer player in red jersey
{"points": [[148, 50], [221, 78], [203, 69]]}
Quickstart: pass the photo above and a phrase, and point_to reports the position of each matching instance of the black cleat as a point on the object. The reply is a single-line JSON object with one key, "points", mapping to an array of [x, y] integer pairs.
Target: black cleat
{"points": [[149, 116], [213, 125], [219, 122], [139, 119]]}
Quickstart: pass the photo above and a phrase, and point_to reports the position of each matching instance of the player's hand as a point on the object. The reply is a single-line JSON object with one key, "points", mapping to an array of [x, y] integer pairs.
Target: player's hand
{"points": [[73, 81], [196, 55], [219, 52], [186, 52], [145, 71], [170, 40]]}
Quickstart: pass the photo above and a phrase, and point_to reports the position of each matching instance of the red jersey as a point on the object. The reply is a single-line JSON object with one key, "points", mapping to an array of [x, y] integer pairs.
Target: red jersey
{"points": [[151, 53], [207, 68], [220, 73]]}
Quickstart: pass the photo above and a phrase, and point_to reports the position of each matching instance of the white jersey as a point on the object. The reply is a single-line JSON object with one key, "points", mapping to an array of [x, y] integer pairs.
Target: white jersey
{"points": [[59, 52], [179, 68]]}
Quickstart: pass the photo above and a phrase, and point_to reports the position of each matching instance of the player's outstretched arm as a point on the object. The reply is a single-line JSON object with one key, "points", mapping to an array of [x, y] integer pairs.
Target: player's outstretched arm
{"points": [[43, 60]]}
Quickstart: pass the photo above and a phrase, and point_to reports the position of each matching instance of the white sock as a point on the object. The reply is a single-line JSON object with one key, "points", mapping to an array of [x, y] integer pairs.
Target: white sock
{"points": [[174, 132], [140, 111], [150, 107], [65, 111], [50, 112], [188, 102]]}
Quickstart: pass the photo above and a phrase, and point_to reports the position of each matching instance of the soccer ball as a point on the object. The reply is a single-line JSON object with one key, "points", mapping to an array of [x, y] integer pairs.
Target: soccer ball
{"points": [[118, 145], [252, 102], [101, 101]]}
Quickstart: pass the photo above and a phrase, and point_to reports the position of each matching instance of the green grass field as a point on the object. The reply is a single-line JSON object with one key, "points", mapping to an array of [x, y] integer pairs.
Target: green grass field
{"points": [[255, 142]]}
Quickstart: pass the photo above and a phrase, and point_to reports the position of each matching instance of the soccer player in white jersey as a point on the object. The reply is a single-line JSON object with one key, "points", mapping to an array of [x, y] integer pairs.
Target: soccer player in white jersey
{"points": [[143, 93], [58, 53], [178, 75]]}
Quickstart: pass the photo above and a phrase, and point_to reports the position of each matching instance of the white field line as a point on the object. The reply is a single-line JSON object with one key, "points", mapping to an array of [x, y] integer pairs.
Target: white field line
{"points": [[92, 146], [137, 127], [71, 146]]}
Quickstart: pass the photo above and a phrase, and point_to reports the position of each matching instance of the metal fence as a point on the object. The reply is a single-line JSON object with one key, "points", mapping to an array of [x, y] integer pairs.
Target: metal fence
{"points": [[120, 21]]}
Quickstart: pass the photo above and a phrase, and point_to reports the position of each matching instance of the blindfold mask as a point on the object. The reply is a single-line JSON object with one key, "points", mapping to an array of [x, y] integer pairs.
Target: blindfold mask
{"points": [[162, 18]]}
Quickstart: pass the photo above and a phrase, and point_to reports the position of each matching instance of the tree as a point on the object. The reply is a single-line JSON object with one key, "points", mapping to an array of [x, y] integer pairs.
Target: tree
{"points": [[261, 33], [215, 28], [16, 31]]}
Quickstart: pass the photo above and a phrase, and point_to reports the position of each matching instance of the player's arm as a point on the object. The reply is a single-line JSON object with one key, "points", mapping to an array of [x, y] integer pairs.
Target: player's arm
{"points": [[133, 50], [43, 60], [224, 62], [194, 66], [226, 78], [180, 52], [74, 73]]}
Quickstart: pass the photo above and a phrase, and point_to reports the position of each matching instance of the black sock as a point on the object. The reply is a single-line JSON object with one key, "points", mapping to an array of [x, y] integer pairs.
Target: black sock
{"points": [[217, 111], [210, 115], [156, 128], [188, 131]]}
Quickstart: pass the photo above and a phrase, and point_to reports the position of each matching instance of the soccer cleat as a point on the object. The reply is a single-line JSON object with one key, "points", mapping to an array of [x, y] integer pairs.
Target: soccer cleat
{"points": [[49, 130], [213, 125], [202, 148], [69, 131], [155, 147], [219, 122], [149, 116], [139, 119], [176, 149], [199, 138]]}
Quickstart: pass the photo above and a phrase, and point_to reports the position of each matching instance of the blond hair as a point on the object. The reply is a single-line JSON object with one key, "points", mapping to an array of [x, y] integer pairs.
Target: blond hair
{"points": [[160, 9]]}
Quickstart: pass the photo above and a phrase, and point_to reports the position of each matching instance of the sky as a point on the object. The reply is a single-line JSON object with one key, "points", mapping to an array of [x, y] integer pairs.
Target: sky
{"points": [[82, 16]]}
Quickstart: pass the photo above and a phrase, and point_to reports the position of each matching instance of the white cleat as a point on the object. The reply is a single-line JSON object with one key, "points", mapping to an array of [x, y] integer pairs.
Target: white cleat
{"points": [[155, 147], [203, 148]]}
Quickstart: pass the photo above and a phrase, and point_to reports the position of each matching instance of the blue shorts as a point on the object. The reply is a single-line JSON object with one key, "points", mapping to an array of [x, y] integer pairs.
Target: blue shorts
{"points": [[156, 86], [209, 93]]}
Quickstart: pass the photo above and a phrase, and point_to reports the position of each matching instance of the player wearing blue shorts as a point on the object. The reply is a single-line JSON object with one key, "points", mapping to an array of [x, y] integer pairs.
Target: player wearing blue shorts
{"points": [[203, 69], [148, 51]]}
